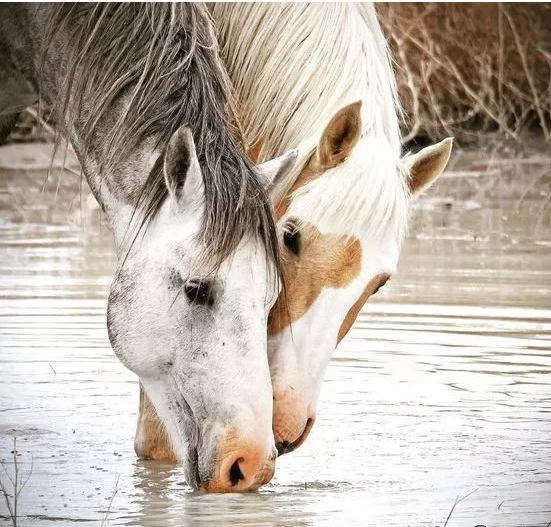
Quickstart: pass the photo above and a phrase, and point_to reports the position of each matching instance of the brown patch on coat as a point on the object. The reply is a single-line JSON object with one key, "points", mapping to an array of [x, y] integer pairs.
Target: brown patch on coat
{"points": [[151, 440], [325, 260], [372, 287]]}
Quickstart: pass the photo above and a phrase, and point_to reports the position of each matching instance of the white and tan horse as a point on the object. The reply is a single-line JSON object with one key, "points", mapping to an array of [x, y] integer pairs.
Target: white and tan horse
{"points": [[318, 77]]}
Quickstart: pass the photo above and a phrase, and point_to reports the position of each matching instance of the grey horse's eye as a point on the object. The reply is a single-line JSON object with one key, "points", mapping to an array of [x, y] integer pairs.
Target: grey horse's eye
{"points": [[199, 292]]}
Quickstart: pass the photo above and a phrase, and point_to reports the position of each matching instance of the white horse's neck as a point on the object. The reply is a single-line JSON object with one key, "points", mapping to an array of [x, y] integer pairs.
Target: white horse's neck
{"points": [[295, 65]]}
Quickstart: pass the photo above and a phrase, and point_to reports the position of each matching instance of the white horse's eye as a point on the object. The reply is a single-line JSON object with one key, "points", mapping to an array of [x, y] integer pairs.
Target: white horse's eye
{"points": [[199, 293], [291, 238]]}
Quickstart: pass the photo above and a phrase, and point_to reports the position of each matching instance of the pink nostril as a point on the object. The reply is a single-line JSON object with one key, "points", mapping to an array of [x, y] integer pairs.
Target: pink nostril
{"points": [[284, 447], [242, 469], [235, 472]]}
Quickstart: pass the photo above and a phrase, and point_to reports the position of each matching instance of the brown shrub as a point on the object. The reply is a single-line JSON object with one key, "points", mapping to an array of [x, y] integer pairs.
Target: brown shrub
{"points": [[36, 123], [467, 68], [462, 69]]}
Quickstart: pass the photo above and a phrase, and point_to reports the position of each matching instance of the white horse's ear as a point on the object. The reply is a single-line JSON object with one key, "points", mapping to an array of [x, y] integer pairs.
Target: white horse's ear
{"points": [[425, 166], [340, 136], [181, 168], [273, 171]]}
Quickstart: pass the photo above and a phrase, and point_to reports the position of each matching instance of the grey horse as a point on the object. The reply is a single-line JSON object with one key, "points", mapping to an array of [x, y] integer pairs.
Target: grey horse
{"points": [[141, 94]]}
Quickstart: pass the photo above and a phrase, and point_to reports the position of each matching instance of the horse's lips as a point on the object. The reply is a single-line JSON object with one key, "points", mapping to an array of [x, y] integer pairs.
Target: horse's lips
{"points": [[191, 461], [191, 469], [191, 464]]}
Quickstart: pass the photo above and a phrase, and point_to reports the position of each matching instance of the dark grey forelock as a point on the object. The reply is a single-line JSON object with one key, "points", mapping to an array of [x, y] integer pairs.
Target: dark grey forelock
{"points": [[164, 58]]}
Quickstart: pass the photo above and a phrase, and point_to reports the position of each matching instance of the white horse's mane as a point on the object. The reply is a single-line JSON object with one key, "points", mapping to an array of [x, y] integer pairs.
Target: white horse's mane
{"points": [[293, 66], [363, 197]]}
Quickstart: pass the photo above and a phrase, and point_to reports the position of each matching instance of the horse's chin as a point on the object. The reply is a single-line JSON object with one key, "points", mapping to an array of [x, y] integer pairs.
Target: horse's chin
{"points": [[185, 451], [182, 434], [187, 456], [191, 468]]}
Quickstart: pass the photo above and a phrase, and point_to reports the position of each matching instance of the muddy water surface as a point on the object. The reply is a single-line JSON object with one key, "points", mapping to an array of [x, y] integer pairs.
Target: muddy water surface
{"points": [[442, 388]]}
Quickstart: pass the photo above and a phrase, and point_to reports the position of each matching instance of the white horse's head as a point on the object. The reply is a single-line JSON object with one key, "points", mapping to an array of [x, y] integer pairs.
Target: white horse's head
{"points": [[343, 222], [196, 336]]}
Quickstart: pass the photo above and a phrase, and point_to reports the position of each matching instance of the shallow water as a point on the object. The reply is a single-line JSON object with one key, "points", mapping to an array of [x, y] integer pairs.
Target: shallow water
{"points": [[441, 389]]}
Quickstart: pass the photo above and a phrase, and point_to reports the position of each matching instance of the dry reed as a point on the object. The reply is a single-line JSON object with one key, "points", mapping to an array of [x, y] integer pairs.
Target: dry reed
{"points": [[468, 68], [463, 69]]}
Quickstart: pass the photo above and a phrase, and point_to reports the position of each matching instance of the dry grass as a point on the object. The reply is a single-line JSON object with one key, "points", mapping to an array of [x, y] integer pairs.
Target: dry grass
{"points": [[36, 123], [463, 69], [12, 490], [105, 520], [468, 68]]}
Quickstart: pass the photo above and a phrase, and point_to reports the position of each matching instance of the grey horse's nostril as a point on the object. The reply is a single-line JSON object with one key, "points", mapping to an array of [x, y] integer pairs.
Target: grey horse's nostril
{"points": [[235, 473], [284, 447]]}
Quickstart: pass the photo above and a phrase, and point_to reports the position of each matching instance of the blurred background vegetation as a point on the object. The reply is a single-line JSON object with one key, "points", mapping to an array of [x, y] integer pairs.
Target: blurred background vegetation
{"points": [[469, 70], [465, 69]]}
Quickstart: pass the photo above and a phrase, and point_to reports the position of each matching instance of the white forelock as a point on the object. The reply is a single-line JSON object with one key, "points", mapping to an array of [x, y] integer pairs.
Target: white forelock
{"points": [[294, 65], [362, 197]]}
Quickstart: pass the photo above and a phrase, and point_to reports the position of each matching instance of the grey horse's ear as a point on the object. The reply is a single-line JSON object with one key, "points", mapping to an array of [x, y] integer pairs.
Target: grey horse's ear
{"points": [[273, 171], [181, 168]]}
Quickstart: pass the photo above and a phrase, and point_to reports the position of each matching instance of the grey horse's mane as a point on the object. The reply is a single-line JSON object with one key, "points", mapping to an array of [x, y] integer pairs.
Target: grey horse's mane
{"points": [[163, 59]]}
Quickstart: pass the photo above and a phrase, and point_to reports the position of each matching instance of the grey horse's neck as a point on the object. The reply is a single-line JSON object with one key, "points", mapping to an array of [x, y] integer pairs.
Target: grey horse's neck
{"points": [[114, 186], [123, 78], [25, 73]]}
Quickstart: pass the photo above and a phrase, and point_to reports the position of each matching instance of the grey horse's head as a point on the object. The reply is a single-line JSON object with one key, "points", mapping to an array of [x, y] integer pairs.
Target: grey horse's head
{"points": [[196, 336]]}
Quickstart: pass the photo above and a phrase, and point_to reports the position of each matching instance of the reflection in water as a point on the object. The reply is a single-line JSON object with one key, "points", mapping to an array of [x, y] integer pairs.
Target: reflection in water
{"points": [[442, 387]]}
